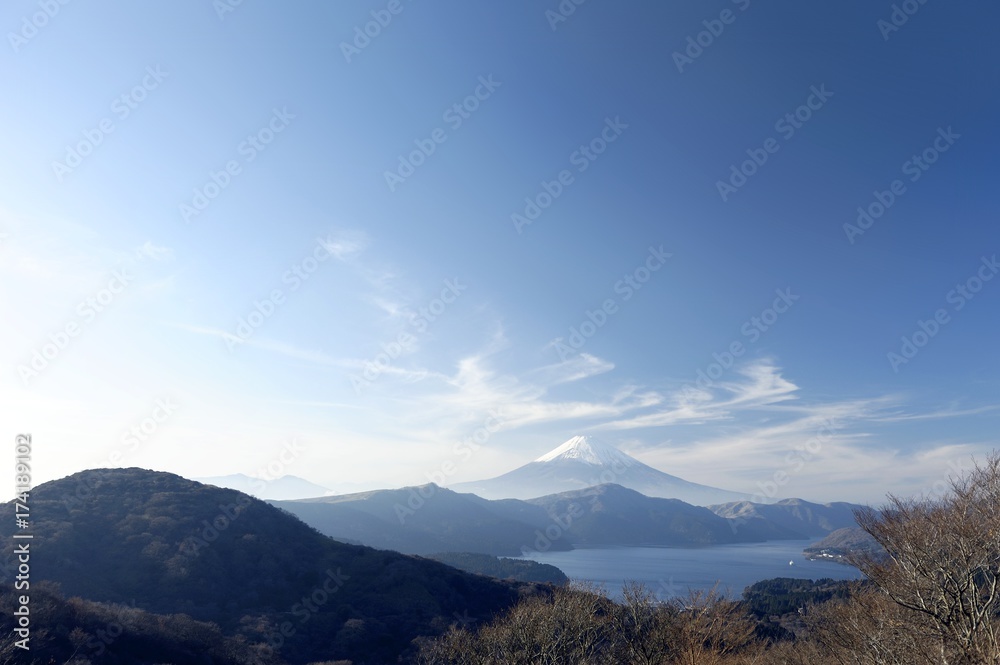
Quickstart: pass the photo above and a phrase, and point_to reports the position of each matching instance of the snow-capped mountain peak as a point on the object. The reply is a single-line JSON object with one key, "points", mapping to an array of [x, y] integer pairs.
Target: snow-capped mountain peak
{"points": [[587, 450], [585, 462]]}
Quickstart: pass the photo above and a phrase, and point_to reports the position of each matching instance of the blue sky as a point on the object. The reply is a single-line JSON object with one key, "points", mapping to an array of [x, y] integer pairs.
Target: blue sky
{"points": [[173, 169]]}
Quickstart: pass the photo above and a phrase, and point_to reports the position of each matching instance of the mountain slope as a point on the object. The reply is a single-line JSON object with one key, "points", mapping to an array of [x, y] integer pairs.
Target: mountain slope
{"points": [[420, 520], [177, 546], [802, 517], [524, 570], [615, 515], [82, 632], [840, 544], [585, 462]]}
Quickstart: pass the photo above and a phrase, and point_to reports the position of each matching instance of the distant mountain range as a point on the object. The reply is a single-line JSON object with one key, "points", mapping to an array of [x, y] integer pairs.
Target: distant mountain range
{"points": [[583, 462], [581, 493], [422, 520], [796, 515], [282, 487], [428, 518]]}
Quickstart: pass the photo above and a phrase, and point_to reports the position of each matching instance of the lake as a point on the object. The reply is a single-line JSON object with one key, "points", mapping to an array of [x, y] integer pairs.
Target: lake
{"points": [[671, 571]]}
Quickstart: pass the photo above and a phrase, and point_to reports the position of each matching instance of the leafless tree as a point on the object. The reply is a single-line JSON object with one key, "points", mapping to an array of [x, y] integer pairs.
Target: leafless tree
{"points": [[642, 626], [942, 561], [868, 629], [711, 630], [569, 626]]}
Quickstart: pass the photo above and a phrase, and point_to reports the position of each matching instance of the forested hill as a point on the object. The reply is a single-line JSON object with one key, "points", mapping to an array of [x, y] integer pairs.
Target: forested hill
{"points": [[170, 545]]}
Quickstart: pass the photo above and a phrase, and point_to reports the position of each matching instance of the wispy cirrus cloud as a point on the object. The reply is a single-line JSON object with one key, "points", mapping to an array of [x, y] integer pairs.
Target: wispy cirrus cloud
{"points": [[951, 412], [576, 368], [757, 385], [450, 402]]}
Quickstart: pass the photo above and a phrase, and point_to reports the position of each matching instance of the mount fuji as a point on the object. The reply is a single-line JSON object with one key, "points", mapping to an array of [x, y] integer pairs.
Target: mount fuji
{"points": [[584, 462]]}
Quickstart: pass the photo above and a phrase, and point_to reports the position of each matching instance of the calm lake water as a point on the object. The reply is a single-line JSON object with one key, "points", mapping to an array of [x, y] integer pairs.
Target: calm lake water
{"points": [[671, 572]]}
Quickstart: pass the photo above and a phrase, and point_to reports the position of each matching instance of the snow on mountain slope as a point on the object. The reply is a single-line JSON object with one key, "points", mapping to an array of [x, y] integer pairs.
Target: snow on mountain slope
{"points": [[587, 450], [585, 462]]}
